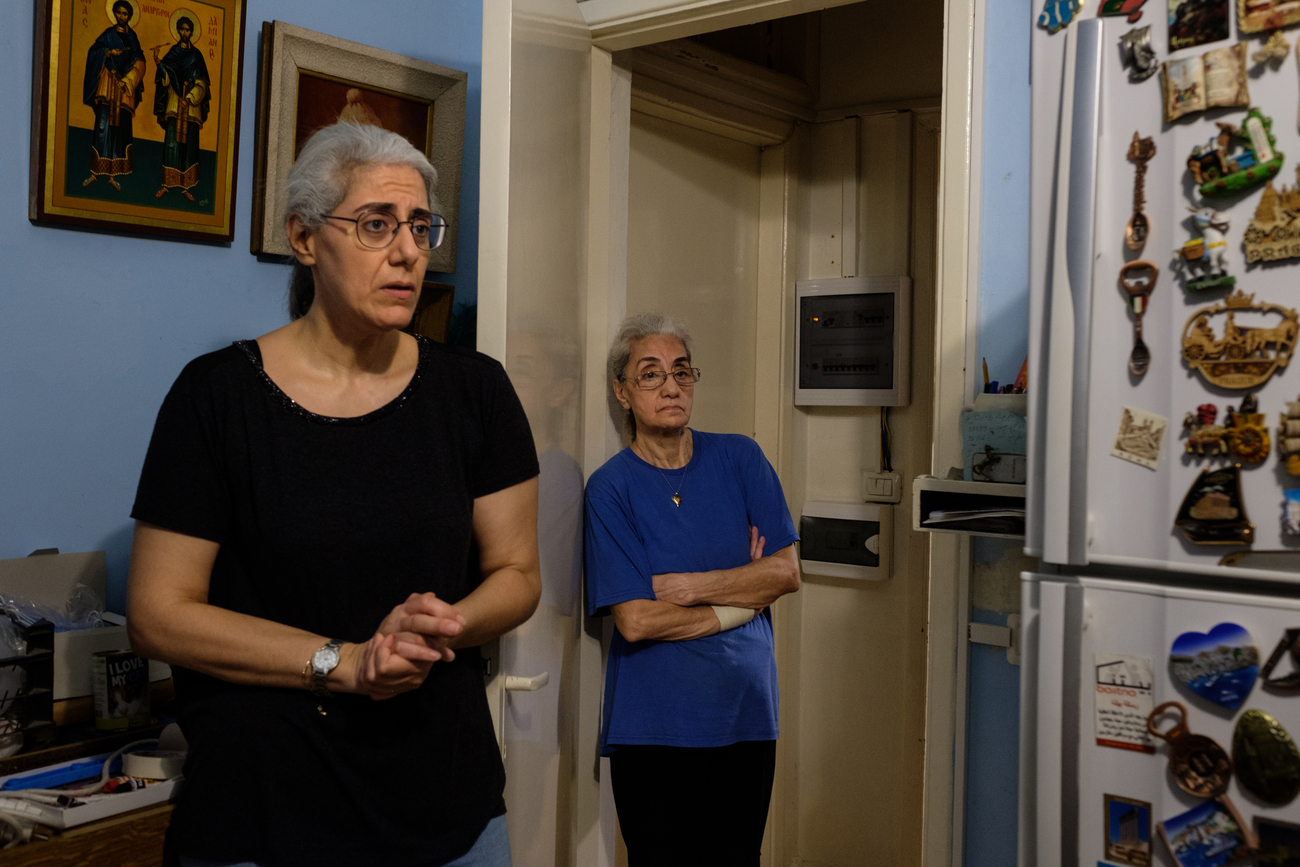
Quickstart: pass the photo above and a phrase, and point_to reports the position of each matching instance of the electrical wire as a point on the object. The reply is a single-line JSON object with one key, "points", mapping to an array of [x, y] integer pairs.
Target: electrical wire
{"points": [[886, 446], [52, 796]]}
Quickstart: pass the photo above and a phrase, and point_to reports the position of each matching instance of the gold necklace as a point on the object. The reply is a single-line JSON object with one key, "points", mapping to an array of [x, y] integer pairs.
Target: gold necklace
{"points": [[677, 497]]}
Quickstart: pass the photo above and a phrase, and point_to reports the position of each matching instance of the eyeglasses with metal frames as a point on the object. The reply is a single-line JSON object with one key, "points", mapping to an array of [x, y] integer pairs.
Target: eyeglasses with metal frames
{"points": [[651, 379], [376, 229]]}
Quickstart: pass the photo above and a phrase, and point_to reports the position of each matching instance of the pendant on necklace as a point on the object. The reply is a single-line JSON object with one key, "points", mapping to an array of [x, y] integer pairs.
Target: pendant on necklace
{"points": [[677, 500]]}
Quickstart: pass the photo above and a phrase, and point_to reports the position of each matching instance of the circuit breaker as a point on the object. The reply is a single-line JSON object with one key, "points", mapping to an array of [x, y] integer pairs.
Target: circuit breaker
{"points": [[853, 342]]}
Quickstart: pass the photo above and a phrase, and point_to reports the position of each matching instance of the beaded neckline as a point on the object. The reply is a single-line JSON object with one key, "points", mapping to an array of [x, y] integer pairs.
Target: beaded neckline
{"points": [[253, 353]]}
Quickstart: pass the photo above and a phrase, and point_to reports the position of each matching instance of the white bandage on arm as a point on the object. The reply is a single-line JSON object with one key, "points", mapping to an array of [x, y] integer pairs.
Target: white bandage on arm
{"points": [[730, 617]]}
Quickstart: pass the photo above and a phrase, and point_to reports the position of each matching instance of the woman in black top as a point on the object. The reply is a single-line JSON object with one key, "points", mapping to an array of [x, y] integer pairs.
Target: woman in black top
{"points": [[330, 520]]}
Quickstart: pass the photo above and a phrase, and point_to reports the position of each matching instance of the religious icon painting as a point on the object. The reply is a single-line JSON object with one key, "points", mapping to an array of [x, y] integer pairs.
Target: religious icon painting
{"points": [[135, 115], [1128, 831], [1196, 22], [1211, 834], [311, 80]]}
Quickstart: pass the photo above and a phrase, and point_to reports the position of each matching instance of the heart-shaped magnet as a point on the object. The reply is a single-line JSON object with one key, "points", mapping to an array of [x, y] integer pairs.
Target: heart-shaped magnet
{"points": [[1220, 666]]}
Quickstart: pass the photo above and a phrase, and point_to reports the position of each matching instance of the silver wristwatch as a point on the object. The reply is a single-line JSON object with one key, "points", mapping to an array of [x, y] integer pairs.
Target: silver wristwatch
{"points": [[323, 662]]}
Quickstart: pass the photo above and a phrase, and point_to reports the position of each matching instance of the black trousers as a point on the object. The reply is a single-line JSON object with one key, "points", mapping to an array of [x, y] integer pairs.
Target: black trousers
{"points": [[684, 806]]}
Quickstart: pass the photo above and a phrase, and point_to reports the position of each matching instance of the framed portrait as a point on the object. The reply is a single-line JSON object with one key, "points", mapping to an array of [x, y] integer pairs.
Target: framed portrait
{"points": [[310, 80], [135, 115]]}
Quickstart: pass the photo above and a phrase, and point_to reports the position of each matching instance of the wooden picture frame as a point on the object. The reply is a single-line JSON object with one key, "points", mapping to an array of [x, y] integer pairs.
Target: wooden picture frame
{"points": [[98, 158], [309, 80]]}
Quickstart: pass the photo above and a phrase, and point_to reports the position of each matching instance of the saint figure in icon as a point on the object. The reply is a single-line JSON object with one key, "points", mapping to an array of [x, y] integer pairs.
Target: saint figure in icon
{"points": [[181, 103], [113, 87]]}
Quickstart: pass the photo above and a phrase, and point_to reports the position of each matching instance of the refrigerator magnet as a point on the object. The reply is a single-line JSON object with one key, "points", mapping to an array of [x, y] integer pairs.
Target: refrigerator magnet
{"points": [[1202, 433], [1273, 234], [1290, 518], [1290, 643], [1128, 831], [1213, 512], [1140, 438], [1123, 702], [1265, 757], [1247, 432], [1204, 259], [1257, 16], [1288, 437], [1217, 173], [1208, 835], [1138, 55], [1274, 51], [1138, 278], [1220, 666], [1140, 151], [1131, 8], [1215, 79], [1249, 352], [1196, 22], [1057, 14], [1198, 764], [1279, 842]]}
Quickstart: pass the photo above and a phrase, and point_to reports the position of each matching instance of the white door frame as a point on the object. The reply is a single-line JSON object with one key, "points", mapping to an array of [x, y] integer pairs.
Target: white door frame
{"points": [[619, 24]]}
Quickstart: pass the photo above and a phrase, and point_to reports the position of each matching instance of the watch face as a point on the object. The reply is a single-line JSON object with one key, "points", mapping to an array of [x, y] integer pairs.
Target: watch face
{"points": [[325, 659]]}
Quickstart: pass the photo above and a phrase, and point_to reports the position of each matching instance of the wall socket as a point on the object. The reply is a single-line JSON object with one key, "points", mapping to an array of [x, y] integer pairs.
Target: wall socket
{"points": [[881, 487]]}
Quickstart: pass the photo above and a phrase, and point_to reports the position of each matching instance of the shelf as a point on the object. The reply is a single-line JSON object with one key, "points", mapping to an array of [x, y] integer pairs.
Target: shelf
{"points": [[930, 494]]}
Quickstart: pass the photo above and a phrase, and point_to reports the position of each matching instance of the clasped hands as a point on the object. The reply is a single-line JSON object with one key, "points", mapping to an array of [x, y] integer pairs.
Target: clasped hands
{"points": [[413, 636], [683, 588]]}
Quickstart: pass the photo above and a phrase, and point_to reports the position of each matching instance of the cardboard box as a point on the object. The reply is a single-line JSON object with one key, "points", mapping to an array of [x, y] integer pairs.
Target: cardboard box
{"points": [[48, 579]]}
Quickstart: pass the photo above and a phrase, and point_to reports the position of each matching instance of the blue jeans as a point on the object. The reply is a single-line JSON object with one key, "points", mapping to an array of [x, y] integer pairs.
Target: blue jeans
{"points": [[492, 849]]}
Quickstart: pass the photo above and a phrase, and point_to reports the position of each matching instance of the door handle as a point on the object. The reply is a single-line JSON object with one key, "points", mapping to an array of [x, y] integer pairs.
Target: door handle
{"points": [[527, 684]]}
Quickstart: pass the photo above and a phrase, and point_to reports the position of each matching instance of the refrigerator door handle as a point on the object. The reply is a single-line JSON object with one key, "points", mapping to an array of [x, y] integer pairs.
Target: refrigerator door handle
{"points": [[1065, 389]]}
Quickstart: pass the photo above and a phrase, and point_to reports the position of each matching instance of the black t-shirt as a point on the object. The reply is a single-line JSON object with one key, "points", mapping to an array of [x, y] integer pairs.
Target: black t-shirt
{"points": [[327, 524]]}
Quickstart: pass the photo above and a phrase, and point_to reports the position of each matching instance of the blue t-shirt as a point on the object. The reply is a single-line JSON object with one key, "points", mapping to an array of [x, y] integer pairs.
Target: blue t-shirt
{"points": [[705, 692]]}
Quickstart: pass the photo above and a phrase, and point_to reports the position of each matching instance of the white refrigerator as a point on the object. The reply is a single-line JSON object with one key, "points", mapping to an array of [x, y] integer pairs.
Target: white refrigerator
{"points": [[1120, 583]]}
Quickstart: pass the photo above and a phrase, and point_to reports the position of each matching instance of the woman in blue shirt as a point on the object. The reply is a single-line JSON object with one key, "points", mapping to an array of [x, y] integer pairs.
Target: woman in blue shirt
{"points": [[677, 526]]}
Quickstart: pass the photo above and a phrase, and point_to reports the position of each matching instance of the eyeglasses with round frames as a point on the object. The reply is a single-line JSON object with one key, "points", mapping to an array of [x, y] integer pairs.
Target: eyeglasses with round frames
{"points": [[651, 379], [376, 229]]}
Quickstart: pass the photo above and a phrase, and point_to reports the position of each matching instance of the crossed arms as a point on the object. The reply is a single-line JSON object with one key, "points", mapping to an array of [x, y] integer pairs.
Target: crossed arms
{"points": [[682, 607]]}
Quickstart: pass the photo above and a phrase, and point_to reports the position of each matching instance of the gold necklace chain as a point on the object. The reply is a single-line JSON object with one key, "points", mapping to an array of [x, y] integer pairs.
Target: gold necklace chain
{"points": [[677, 496]]}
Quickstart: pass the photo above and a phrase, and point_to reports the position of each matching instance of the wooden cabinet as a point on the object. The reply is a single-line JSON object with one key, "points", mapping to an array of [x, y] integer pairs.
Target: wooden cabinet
{"points": [[133, 839]]}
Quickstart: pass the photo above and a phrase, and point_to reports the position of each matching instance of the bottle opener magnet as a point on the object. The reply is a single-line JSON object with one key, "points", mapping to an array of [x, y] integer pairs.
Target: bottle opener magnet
{"points": [[1199, 765], [1138, 279]]}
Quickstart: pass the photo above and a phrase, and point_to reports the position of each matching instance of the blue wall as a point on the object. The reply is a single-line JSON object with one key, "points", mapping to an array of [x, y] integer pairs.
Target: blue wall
{"points": [[94, 327], [993, 707]]}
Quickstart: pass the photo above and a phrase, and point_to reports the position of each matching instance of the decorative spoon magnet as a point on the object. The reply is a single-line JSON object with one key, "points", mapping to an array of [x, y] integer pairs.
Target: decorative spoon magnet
{"points": [[1140, 151]]}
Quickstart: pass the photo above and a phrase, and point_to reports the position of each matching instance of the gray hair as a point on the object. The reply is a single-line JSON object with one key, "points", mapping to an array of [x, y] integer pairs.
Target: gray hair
{"points": [[636, 328], [323, 173]]}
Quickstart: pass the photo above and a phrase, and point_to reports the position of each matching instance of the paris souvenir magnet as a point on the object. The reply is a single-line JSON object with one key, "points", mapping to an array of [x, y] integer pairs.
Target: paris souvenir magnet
{"points": [[1211, 834], [1274, 234], [1213, 512], [1128, 831], [1220, 666], [1199, 766], [1265, 758], [1288, 645], [1249, 352]]}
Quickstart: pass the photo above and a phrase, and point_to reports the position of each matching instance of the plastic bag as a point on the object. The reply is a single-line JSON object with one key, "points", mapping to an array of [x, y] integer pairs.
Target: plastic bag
{"points": [[82, 610], [12, 679]]}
